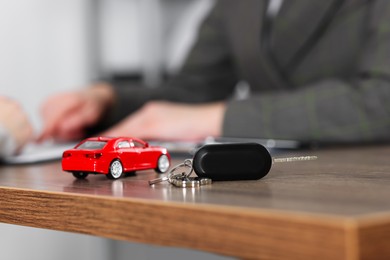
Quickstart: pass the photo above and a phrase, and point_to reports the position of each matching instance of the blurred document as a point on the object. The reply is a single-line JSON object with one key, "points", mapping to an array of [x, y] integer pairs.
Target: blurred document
{"points": [[36, 153]]}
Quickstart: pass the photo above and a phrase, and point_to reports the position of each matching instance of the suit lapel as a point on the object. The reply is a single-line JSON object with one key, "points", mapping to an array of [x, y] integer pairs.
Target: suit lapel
{"points": [[243, 21], [295, 23], [289, 33]]}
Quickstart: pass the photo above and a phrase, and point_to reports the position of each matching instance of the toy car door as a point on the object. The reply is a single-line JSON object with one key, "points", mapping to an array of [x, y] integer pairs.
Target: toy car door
{"points": [[128, 156]]}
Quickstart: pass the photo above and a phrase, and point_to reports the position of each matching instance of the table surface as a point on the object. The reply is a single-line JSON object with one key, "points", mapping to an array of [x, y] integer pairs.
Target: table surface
{"points": [[336, 207]]}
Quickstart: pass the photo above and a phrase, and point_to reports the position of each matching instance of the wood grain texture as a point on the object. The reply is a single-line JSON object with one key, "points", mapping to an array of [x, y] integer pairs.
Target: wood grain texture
{"points": [[334, 208], [374, 237], [238, 232]]}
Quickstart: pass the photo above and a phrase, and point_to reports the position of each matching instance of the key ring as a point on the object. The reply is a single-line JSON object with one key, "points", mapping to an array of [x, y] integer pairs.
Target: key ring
{"points": [[182, 179], [186, 164]]}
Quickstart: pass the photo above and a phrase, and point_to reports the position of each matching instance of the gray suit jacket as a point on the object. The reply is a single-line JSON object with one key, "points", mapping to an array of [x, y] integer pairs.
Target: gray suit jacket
{"points": [[325, 83]]}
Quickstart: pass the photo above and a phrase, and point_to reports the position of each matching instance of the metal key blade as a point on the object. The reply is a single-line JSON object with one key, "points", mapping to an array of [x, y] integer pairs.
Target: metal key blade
{"points": [[171, 176], [294, 159], [158, 180]]}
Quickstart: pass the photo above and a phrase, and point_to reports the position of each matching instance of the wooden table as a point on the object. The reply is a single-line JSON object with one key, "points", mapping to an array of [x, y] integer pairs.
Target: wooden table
{"points": [[337, 207]]}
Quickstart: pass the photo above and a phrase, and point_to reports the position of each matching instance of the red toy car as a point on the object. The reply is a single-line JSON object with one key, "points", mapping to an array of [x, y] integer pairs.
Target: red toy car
{"points": [[113, 157]]}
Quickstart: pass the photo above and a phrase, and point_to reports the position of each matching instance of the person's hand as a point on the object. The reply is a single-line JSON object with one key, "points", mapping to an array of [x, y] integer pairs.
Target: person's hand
{"points": [[15, 121], [172, 121], [67, 115]]}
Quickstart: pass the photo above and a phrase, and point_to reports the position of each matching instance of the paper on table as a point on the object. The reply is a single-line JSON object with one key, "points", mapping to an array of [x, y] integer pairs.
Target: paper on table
{"points": [[36, 153]]}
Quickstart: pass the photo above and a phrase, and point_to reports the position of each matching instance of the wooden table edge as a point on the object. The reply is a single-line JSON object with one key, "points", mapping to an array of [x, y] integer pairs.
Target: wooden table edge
{"points": [[234, 231]]}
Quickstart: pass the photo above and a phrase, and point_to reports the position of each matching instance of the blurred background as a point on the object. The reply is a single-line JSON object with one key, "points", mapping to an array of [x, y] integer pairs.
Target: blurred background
{"points": [[47, 46]]}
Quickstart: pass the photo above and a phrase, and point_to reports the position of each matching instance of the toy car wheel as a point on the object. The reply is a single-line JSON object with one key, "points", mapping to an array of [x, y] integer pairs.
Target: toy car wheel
{"points": [[80, 175], [116, 170], [162, 163]]}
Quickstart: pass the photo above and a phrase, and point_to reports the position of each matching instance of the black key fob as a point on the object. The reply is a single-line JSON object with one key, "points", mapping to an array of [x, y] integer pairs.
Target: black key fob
{"points": [[233, 161]]}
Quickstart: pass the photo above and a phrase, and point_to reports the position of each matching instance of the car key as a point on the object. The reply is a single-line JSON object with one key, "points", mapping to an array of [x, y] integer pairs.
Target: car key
{"points": [[236, 161], [227, 162]]}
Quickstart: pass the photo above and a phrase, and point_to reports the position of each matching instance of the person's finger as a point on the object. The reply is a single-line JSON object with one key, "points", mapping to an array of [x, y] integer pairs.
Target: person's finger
{"points": [[73, 135], [73, 123], [55, 111], [118, 130]]}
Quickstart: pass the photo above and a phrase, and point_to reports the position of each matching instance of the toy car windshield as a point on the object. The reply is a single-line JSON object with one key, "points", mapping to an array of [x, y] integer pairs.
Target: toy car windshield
{"points": [[92, 145]]}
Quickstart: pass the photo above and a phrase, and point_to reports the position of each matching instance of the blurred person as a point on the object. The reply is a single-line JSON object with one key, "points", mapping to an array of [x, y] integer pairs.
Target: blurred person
{"points": [[15, 128], [317, 71]]}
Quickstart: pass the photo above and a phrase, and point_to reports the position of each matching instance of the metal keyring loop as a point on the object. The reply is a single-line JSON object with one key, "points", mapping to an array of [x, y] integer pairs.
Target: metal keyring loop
{"points": [[186, 164]]}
